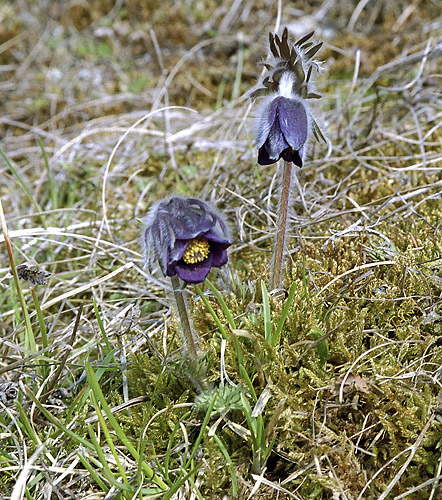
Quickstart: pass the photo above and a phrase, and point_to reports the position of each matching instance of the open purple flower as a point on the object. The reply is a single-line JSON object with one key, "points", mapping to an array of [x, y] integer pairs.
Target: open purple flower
{"points": [[187, 237], [282, 130]]}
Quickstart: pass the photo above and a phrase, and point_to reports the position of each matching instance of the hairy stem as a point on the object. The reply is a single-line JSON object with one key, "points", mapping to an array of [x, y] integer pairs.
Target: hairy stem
{"points": [[185, 324], [281, 226]]}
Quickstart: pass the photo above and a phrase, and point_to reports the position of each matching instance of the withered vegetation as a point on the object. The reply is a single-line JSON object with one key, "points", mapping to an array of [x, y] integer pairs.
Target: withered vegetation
{"points": [[106, 107]]}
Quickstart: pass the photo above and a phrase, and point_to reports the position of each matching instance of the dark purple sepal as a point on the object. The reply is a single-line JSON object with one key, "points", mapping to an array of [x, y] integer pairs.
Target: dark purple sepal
{"points": [[293, 122], [177, 251], [267, 118], [171, 224], [283, 131], [292, 156], [263, 156], [219, 256], [193, 273], [216, 238], [192, 227]]}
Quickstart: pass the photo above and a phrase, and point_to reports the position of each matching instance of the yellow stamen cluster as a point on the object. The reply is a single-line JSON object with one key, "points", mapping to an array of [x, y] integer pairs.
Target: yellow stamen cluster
{"points": [[197, 250]]}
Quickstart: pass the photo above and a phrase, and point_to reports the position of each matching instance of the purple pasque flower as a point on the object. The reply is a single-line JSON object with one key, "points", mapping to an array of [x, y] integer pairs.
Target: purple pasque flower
{"points": [[284, 122], [282, 126], [187, 236]]}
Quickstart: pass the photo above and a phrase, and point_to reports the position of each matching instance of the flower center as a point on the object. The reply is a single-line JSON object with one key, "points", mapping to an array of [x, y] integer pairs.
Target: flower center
{"points": [[197, 250]]}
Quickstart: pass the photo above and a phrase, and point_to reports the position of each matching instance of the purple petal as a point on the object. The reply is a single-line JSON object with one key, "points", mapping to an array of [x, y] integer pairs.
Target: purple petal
{"points": [[188, 228], [293, 122], [219, 256], [290, 155], [274, 145], [177, 251], [215, 237], [265, 118], [170, 267], [218, 247], [194, 273], [263, 156]]}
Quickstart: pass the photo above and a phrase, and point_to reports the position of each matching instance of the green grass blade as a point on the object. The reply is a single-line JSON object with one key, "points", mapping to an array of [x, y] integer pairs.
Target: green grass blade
{"points": [[44, 337], [230, 465], [218, 321], [95, 477], [101, 326], [109, 439], [93, 383], [41, 322], [201, 433], [246, 377], [85, 395], [212, 312], [177, 485], [169, 446], [26, 425], [223, 304], [57, 422], [256, 428], [194, 487], [188, 465], [251, 421], [52, 189], [285, 312], [29, 333], [266, 313], [19, 179], [101, 462]]}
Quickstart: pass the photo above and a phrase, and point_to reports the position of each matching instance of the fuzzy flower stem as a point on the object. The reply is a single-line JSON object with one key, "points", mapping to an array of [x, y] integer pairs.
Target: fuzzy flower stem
{"points": [[281, 226], [185, 324]]}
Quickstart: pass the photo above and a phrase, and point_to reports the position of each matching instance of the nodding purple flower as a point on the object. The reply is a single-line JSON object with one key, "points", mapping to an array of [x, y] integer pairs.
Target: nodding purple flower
{"points": [[284, 122], [187, 237], [282, 127]]}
